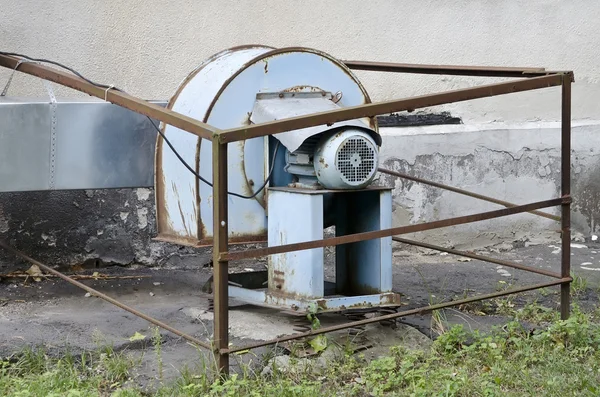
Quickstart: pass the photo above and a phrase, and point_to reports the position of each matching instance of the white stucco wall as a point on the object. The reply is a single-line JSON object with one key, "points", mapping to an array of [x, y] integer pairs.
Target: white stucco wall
{"points": [[148, 46]]}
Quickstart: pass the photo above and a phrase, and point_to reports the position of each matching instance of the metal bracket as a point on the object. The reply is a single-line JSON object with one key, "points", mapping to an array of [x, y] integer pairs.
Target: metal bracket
{"points": [[5, 90], [53, 122]]}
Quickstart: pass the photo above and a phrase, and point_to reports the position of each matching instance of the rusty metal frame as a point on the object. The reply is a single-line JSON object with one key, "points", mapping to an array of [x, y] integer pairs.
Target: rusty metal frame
{"points": [[531, 79]]}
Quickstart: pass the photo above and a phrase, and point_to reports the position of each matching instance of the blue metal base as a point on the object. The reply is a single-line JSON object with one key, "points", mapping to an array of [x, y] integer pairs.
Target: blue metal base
{"points": [[296, 279], [262, 297]]}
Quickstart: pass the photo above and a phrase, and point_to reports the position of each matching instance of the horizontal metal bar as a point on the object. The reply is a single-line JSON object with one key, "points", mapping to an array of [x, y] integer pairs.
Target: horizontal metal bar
{"points": [[421, 310], [130, 102], [464, 192], [374, 109], [456, 70], [353, 238], [478, 257], [105, 297]]}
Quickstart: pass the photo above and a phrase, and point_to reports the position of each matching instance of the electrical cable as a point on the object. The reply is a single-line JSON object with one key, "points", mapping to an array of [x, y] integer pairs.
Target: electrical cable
{"points": [[175, 152], [186, 165]]}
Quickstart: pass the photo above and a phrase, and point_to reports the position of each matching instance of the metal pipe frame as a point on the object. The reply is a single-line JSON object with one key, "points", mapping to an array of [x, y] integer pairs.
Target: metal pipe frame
{"points": [[531, 79], [463, 192]]}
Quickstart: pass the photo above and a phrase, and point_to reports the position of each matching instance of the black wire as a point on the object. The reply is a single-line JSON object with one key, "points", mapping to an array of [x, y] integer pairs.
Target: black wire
{"points": [[60, 65], [207, 182], [175, 152]]}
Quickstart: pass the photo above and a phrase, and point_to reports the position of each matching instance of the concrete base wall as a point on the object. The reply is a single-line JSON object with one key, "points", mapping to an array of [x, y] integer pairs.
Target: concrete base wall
{"points": [[518, 163], [68, 228]]}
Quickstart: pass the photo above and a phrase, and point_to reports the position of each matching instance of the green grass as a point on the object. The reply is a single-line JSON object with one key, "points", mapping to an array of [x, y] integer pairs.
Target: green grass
{"points": [[561, 358], [35, 373]]}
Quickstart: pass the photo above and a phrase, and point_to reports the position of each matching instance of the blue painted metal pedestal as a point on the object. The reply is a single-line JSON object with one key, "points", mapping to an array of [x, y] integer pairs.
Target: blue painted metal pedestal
{"points": [[296, 279]]}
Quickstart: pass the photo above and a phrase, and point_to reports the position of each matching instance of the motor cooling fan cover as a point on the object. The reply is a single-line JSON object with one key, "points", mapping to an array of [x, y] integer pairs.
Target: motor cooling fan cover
{"points": [[346, 159]]}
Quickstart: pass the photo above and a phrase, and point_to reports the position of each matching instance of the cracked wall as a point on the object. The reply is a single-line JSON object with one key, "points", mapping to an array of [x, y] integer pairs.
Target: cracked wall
{"points": [[69, 228], [519, 164]]}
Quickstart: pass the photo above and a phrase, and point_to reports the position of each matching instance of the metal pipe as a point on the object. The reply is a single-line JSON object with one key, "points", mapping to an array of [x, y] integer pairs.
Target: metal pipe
{"points": [[565, 290], [353, 238], [396, 105], [220, 245], [105, 297], [478, 257], [455, 70], [463, 192], [421, 310], [120, 98]]}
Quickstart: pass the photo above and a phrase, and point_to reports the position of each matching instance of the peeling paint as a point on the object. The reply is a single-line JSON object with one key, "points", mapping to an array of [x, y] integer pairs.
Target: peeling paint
{"points": [[3, 221], [142, 194], [142, 214]]}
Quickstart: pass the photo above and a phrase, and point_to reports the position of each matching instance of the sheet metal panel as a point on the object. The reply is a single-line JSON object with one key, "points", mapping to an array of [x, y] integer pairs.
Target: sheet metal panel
{"points": [[96, 145], [271, 107], [294, 218], [183, 203]]}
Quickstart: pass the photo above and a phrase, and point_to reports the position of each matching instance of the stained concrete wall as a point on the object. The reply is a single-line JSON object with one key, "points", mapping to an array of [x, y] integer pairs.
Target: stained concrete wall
{"points": [[516, 163], [147, 47]]}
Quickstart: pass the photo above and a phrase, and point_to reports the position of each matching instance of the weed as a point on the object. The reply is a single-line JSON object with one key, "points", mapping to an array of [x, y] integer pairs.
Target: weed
{"points": [[562, 358], [157, 343], [578, 285]]}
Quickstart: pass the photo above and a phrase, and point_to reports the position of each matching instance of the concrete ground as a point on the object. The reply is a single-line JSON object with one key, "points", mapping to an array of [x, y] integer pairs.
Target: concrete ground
{"points": [[58, 315]]}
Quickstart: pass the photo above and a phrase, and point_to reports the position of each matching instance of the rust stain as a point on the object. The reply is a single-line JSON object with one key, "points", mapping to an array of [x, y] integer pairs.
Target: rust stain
{"points": [[162, 215], [187, 231], [174, 187], [360, 305], [246, 187], [199, 224], [303, 88]]}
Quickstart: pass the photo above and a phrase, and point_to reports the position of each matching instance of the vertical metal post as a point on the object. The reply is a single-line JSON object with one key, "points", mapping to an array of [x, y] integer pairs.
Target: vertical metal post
{"points": [[220, 245], [565, 288]]}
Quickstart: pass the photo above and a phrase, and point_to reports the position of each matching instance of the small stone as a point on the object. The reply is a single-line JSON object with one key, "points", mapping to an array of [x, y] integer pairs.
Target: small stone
{"points": [[87, 295], [542, 171], [578, 246], [443, 253], [577, 237], [151, 294], [594, 237], [156, 283], [504, 247]]}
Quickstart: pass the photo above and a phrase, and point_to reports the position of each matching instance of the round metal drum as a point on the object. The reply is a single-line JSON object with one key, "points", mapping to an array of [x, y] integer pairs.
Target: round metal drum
{"points": [[222, 92]]}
